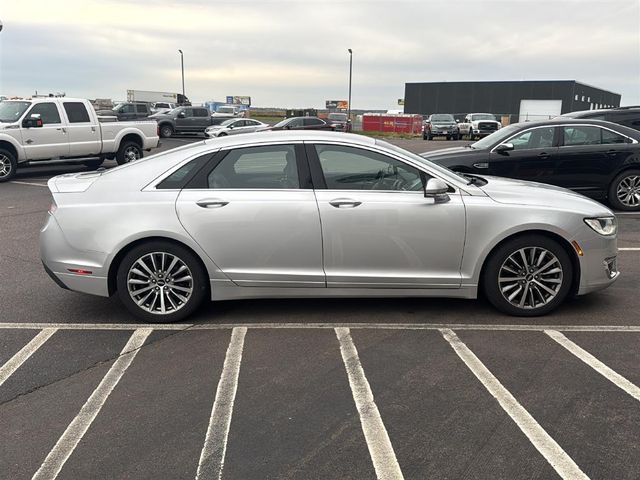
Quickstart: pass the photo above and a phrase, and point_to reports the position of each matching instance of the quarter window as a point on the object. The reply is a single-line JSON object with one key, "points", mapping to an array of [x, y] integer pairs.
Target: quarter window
{"points": [[609, 137], [76, 112], [48, 113], [272, 167], [536, 138], [349, 168]]}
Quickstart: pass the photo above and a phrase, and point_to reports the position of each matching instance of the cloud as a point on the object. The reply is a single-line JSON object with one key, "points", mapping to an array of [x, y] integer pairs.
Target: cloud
{"points": [[294, 53]]}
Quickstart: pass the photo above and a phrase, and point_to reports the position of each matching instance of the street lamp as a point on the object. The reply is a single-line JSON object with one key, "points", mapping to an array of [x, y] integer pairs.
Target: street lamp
{"points": [[182, 66], [350, 73]]}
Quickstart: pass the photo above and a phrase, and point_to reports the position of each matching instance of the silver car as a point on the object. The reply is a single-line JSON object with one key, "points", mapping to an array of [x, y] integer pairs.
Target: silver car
{"points": [[233, 126], [313, 214]]}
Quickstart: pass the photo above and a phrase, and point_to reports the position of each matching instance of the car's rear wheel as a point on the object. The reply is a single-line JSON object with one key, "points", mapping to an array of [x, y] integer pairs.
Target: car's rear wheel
{"points": [[624, 192], [528, 276], [166, 131], [129, 151], [8, 165], [161, 282]]}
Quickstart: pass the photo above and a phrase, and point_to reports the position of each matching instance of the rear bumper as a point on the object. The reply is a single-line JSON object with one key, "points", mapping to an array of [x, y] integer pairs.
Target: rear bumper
{"points": [[59, 258]]}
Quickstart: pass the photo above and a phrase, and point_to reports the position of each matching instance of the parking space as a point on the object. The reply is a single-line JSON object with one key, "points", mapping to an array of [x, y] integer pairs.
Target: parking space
{"points": [[310, 388], [419, 401]]}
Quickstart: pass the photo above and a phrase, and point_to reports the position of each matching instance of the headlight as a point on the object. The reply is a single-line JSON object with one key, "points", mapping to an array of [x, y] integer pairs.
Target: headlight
{"points": [[603, 225]]}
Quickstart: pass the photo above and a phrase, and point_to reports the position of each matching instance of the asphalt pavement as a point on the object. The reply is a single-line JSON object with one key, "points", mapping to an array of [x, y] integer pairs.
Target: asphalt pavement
{"points": [[310, 389]]}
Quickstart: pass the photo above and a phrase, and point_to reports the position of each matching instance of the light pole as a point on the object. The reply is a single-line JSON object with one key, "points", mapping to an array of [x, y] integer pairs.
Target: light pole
{"points": [[182, 67], [350, 73]]}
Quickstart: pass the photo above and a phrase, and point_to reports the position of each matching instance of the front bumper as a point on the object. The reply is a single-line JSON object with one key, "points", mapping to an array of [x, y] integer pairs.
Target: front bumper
{"points": [[59, 258], [599, 264]]}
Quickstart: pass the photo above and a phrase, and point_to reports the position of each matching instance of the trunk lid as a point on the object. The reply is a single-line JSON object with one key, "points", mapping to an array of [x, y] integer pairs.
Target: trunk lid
{"points": [[73, 182]]}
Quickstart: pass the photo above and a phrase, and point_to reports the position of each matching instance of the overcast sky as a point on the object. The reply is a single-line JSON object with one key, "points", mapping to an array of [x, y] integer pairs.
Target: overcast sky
{"points": [[294, 53]]}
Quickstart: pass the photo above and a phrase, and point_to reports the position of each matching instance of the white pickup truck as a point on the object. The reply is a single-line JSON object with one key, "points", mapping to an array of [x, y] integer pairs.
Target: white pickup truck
{"points": [[65, 130], [478, 125]]}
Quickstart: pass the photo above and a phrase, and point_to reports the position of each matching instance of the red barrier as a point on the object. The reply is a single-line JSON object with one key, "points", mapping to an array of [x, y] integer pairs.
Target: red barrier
{"points": [[381, 122]]}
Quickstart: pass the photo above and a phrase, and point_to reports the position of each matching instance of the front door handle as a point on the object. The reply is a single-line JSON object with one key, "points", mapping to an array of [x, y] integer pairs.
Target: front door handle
{"points": [[481, 165], [543, 155], [344, 203], [611, 152], [211, 203]]}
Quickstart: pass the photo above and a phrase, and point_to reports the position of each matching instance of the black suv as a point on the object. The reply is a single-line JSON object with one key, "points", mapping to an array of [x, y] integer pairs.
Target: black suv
{"points": [[627, 116], [128, 111]]}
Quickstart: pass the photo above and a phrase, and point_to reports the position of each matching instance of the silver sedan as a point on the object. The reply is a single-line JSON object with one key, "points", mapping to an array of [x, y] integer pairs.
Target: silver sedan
{"points": [[234, 126], [312, 214]]}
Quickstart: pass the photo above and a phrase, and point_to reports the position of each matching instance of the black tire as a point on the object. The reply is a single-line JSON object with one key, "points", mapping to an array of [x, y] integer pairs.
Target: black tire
{"points": [[198, 275], [493, 265], [166, 130], [94, 164], [631, 177], [448, 138], [456, 137], [470, 135], [129, 151], [222, 134], [8, 165], [429, 136]]}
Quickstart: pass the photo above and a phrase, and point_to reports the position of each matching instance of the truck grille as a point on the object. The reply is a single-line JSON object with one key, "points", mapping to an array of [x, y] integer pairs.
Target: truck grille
{"points": [[487, 126]]}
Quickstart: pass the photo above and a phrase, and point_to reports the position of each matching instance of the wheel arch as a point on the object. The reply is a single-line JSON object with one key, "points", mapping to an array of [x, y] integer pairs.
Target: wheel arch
{"points": [[132, 137], [117, 259], [7, 145], [563, 242]]}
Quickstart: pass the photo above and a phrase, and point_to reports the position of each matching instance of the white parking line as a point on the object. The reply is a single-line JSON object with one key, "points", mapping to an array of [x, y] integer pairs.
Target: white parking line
{"points": [[312, 325], [596, 364], [547, 446], [380, 448], [630, 249], [29, 183], [67, 443], [25, 352], [215, 444]]}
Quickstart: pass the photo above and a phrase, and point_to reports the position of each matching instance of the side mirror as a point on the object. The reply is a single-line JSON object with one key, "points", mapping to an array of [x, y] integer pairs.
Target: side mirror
{"points": [[504, 147], [182, 115], [457, 121], [34, 121], [436, 189]]}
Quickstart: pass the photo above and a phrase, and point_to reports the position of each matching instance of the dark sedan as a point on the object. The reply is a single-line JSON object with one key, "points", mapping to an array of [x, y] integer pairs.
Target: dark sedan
{"points": [[303, 123], [595, 158]]}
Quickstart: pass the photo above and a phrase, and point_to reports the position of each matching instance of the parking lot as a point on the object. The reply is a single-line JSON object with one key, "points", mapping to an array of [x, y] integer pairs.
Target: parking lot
{"points": [[310, 389]]}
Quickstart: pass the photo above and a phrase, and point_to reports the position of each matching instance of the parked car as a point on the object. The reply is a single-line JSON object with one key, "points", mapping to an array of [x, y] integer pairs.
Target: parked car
{"points": [[478, 125], [592, 157], [627, 116], [162, 107], [66, 130], [340, 121], [234, 126], [183, 120], [302, 123], [128, 111], [228, 111], [440, 125], [319, 214]]}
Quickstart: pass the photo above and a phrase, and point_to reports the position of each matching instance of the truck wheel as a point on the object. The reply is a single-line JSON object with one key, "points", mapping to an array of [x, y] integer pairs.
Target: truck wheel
{"points": [[8, 165], [166, 131], [624, 191], [470, 134], [93, 164], [128, 152]]}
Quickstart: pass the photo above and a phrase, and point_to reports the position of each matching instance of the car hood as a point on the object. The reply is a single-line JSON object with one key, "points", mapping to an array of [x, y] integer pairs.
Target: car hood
{"points": [[520, 192], [448, 152]]}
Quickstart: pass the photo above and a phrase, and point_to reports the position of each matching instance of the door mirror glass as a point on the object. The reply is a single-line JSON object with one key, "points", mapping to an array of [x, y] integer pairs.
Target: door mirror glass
{"points": [[504, 147]]}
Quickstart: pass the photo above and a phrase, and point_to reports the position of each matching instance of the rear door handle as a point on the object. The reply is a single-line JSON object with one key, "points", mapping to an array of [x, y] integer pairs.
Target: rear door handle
{"points": [[611, 152], [543, 155], [211, 203], [344, 203]]}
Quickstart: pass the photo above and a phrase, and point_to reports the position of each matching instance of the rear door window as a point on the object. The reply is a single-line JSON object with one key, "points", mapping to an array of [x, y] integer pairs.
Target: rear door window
{"points": [[76, 112]]}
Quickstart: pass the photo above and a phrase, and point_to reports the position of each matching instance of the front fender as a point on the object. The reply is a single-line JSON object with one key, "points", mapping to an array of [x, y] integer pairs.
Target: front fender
{"points": [[15, 143]]}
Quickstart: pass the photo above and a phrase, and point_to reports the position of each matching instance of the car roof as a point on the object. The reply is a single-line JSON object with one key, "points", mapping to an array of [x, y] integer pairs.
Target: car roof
{"points": [[559, 121], [287, 136]]}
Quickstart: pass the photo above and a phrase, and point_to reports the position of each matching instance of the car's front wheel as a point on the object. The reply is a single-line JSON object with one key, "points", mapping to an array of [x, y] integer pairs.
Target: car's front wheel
{"points": [[166, 131], [8, 165], [624, 192], [161, 282], [528, 276]]}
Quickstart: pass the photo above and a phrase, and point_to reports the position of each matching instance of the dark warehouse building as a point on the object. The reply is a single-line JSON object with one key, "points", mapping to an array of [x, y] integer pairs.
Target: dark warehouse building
{"points": [[521, 100]]}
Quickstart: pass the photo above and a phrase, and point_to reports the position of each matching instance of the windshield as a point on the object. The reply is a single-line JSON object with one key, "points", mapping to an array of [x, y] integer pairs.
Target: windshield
{"points": [[12, 111], [442, 118], [422, 160], [483, 116], [496, 137], [342, 117], [283, 122], [226, 123]]}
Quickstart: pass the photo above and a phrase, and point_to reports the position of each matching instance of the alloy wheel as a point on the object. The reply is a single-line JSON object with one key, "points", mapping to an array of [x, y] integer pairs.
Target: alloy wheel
{"points": [[160, 283], [628, 191], [132, 153], [5, 166], [530, 277]]}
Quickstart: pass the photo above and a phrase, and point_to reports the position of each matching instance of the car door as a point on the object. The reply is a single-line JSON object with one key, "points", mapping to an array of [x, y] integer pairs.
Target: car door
{"points": [[201, 119], [142, 110], [310, 123], [533, 156], [588, 157], [295, 124], [50, 140], [378, 229], [239, 126], [184, 120], [83, 133], [127, 112], [247, 210]]}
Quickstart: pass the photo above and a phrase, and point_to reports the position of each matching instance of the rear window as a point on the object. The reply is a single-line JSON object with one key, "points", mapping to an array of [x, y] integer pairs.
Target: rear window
{"points": [[76, 112]]}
